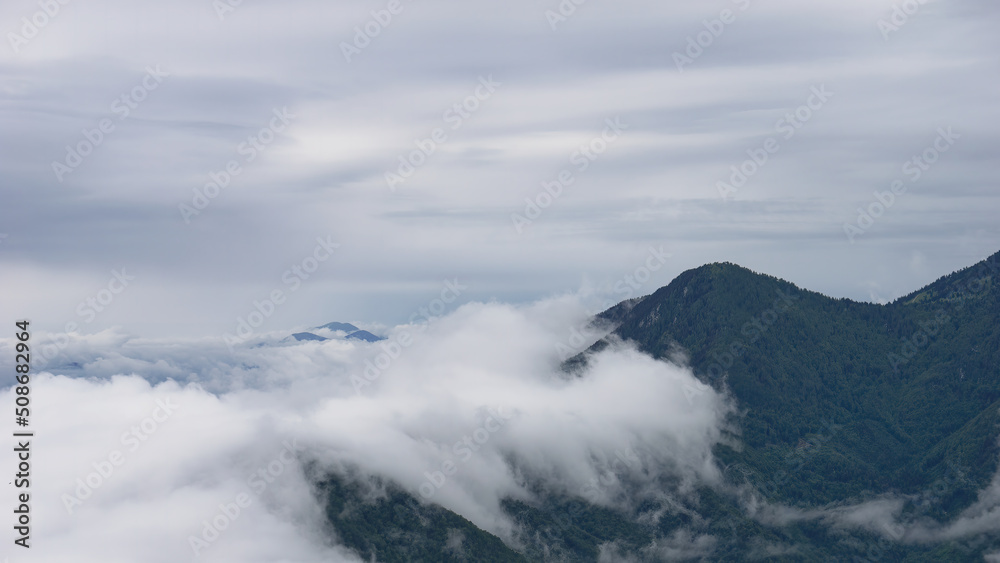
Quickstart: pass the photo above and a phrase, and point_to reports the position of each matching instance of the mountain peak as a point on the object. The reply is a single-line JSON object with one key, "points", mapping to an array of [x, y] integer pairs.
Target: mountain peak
{"points": [[307, 336], [345, 327], [961, 285], [793, 358], [364, 335]]}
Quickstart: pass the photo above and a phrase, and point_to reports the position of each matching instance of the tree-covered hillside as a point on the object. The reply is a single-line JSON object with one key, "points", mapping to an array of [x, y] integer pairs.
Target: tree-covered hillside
{"points": [[838, 403], [861, 397]]}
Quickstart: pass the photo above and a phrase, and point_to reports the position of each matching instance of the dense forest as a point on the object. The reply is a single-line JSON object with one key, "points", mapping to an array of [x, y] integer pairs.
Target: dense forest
{"points": [[839, 403]]}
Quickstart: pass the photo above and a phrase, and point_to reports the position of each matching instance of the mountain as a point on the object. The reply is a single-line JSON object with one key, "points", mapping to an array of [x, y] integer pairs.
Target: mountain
{"points": [[840, 406], [353, 333], [308, 336], [396, 527], [906, 388], [364, 335], [335, 326]]}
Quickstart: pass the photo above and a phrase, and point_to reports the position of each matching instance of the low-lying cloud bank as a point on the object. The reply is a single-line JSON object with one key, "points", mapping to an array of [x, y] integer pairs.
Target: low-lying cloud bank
{"points": [[161, 450], [887, 518]]}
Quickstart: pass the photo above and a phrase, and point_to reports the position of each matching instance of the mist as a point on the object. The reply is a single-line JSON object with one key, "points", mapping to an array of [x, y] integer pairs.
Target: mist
{"points": [[157, 450]]}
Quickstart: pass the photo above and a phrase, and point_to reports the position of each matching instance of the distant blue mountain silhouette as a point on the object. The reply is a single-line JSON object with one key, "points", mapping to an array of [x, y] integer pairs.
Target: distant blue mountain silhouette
{"points": [[365, 335], [300, 336], [346, 327]]}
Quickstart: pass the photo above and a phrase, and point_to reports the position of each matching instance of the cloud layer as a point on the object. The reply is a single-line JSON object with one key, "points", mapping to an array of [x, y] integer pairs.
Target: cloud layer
{"points": [[472, 410], [221, 78]]}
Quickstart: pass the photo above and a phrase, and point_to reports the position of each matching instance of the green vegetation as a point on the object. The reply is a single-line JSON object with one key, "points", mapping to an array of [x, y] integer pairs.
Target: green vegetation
{"points": [[863, 398], [839, 403], [384, 523]]}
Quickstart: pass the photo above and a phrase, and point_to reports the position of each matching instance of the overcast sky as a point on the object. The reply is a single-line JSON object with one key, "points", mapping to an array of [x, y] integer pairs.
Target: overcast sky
{"points": [[312, 111]]}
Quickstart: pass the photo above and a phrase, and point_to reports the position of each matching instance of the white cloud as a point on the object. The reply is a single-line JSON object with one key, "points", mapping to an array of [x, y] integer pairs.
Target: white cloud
{"points": [[452, 218], [487, 373]]}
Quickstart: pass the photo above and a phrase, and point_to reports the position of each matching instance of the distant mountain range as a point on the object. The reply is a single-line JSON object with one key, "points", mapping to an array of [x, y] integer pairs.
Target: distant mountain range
{"points": [[364, 335], [307, 336], [839, 403], [352, 333], [344, 327]]}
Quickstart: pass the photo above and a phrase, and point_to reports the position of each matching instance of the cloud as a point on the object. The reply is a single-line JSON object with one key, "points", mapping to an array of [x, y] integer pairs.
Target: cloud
{"points": [[983, 516], [681, 545], [326, 171], [160, 441], [885, 517]]}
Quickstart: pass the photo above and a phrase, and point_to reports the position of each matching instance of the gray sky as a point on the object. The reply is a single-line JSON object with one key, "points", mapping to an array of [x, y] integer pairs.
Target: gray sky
{"points": [[170, 171], [321, 171]]}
